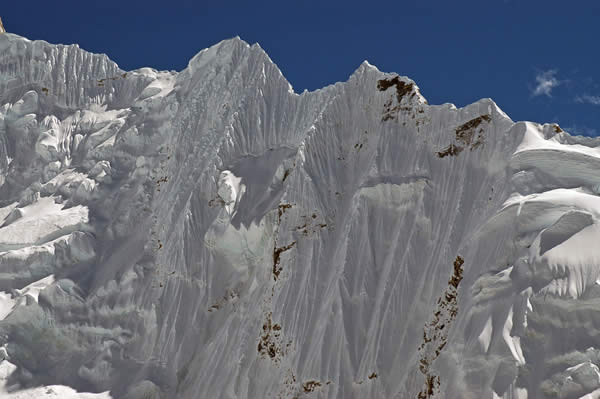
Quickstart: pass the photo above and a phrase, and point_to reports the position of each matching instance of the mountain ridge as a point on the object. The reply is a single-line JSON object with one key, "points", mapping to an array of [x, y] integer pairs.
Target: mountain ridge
{"points": [[212, 233]]}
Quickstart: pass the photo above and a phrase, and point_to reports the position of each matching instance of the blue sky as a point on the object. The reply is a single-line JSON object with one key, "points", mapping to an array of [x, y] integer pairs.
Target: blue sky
{"points": [[539, 60]]}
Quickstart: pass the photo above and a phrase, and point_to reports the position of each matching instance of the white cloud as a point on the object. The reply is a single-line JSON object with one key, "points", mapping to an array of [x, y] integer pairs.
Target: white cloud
{"points": [[586, 98], [582, 131], [545, 82]]}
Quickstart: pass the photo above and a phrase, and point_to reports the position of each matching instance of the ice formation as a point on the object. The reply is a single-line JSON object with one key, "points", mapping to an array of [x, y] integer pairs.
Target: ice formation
{"points": [[213, 234]]}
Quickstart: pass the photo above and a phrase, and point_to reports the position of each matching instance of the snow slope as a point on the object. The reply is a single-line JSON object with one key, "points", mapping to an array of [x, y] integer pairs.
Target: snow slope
{"points": [[213, 234]]}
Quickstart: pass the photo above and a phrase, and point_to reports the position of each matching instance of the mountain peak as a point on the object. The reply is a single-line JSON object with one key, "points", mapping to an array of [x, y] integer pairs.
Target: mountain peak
{"points": [[366, 65]]}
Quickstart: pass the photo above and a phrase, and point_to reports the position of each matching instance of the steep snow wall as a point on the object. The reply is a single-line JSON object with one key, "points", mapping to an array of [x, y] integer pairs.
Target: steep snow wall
{"points": [[212, 234]]}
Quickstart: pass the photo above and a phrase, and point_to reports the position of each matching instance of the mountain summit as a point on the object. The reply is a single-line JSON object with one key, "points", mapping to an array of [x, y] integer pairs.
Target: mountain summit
{"points": [[213, 234]]}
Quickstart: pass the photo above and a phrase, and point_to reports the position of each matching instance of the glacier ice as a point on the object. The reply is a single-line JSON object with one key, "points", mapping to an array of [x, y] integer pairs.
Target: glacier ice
{"points": [[210, 233]]}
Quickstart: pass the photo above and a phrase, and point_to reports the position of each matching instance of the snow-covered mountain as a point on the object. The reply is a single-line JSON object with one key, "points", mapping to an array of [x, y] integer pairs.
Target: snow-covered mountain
{"points": [[213, 234]]}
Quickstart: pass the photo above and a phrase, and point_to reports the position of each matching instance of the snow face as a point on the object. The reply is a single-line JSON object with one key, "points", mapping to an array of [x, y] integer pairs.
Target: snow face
{"points": [[212, 234], [9, 391]]}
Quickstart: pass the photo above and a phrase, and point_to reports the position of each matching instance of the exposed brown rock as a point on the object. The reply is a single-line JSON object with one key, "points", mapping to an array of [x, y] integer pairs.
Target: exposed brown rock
{"points": [[468, 135], [276, 258], [464, 133], [218, 201], [286, 174], [310, 386], [281, 210], [435, 333], [402, 88], [452, 150], [458, 272], [557, 128], [269, 343]]}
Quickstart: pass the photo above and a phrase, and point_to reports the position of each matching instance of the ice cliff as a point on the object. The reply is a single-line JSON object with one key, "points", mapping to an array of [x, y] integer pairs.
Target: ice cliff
{"points": [[210, 233]]}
